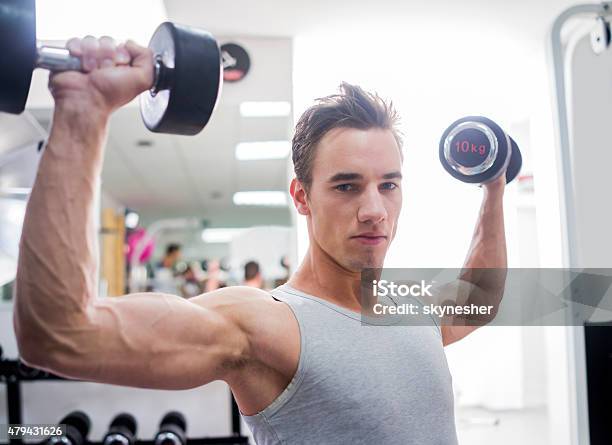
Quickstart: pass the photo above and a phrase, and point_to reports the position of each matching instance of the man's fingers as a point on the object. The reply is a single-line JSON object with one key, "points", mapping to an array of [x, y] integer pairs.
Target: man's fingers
{"points": [[106, 52], [123, 56], [74, 46], [142, 57], [90, 46], [101, 53]]}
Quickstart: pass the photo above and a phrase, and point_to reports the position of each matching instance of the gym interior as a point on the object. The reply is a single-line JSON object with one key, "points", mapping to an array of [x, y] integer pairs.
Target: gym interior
{"points": [[191, 214]]}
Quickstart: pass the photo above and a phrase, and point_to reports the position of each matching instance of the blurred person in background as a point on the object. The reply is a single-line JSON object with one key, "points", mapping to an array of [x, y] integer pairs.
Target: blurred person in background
{"points": [[164, 275], [172, 256], [214, 276], [252, 275]]}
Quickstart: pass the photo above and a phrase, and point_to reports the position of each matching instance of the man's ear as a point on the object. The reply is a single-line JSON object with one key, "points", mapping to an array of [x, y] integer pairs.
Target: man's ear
{"points": [[298, 193]]}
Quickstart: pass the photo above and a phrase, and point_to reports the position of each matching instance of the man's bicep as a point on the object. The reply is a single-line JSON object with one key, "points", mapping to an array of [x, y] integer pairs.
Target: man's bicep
{"points": [[151, 340]]}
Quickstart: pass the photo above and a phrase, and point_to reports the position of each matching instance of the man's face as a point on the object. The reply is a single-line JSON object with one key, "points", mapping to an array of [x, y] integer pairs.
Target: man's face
{"points": [[355, 197]]}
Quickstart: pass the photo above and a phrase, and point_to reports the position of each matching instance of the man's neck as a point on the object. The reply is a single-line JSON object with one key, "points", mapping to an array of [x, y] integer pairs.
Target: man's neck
{"points": [[321, 276]]}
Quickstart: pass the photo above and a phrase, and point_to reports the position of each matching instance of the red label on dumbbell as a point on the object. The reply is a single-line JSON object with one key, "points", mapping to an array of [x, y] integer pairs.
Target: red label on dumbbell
{"points": [[470, 147]]}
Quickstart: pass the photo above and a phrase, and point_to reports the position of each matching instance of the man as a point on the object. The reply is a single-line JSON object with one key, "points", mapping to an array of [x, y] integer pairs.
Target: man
{"points": [[171, 257], [164, 279], [302, 366], [252, 275]]}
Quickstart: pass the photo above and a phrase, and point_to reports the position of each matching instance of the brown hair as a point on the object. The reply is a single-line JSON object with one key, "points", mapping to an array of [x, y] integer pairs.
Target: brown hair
{"points": [[251, 269], [351, 108]]}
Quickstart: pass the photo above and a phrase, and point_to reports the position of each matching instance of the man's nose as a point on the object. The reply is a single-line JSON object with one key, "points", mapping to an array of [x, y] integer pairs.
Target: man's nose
{"points": [[372, 208]]}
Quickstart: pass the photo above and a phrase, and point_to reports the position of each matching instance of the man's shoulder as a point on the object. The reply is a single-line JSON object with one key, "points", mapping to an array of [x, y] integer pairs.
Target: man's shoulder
{"points": [[260, 317], [240, 300]]}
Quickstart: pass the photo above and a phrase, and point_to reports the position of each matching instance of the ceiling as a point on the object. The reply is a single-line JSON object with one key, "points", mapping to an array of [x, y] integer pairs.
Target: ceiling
{"points": [[192, 176], [292, 18]]}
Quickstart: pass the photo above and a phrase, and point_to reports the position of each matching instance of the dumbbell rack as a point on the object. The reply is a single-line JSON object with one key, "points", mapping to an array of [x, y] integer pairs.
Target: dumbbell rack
{"points": [[14, 372]]}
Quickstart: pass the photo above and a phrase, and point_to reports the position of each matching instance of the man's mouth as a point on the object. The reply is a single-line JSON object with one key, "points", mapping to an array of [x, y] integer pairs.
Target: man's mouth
{"points": [[370, 239]]}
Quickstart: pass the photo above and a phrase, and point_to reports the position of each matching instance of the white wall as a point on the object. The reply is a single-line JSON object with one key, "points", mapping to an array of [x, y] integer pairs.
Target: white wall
{"points": [[266, 245]]}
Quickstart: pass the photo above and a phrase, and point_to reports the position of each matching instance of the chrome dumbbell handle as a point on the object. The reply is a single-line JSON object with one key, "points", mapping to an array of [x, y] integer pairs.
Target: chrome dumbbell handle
{"points": [[57, 59]]}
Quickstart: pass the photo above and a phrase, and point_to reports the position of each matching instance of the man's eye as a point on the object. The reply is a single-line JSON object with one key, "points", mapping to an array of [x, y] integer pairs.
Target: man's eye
{"points": [[389, 186], [345, 187]]}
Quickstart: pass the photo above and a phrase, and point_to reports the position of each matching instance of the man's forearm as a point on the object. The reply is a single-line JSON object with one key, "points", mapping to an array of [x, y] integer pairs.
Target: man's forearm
{"points": [[488, 247], [486, 263], [57, 278]]}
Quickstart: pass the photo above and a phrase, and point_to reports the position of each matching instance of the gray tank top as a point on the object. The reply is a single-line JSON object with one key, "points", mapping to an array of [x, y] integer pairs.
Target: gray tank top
{"points": [[359, 383]]}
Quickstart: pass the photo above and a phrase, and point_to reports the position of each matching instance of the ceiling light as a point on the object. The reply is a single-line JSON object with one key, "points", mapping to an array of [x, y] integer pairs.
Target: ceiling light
{"points": [[220, 235], [256, 151], [131, 220], [267, 198], [265, 109]]}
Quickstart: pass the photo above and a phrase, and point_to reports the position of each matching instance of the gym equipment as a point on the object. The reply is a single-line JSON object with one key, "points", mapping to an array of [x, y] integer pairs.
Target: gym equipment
{"points": [[172, 430], [476, 150], [601, 35], [78, 426], [27, 371], [122, 430], [187, 67], [12, 377]]}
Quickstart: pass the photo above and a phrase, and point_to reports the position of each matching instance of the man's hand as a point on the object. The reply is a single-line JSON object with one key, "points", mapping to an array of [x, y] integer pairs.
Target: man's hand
{"points": [[497, 186], [113, 75]]}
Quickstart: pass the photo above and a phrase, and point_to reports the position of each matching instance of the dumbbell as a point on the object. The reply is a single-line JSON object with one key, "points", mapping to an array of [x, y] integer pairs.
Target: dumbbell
{"points": [[187, 70], [476, 150], [172, 430], [77, 426], [122, 430]]}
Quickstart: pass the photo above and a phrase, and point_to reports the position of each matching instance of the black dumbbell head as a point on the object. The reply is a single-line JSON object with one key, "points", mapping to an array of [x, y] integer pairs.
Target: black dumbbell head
{"points": [[516, 162], [78, 425], [124, 420], [17, 53], [79, 420], [191, 79], [121, 430], [172, 430], [476, 150], [174, 418]]}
